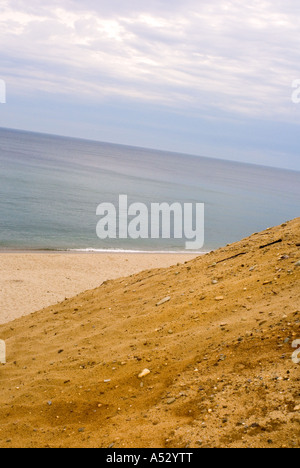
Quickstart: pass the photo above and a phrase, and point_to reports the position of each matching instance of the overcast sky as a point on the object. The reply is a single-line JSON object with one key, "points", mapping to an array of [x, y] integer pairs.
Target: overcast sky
{"points": [[210, 78]]}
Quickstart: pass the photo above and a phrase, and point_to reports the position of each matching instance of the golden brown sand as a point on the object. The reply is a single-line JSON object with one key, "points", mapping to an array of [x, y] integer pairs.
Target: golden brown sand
{"points": [[30, 282], [218, 348]]}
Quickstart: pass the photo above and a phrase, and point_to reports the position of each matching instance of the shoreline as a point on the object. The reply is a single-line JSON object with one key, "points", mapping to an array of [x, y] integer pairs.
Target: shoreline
{"points": [[31, 281], [104, 252]]}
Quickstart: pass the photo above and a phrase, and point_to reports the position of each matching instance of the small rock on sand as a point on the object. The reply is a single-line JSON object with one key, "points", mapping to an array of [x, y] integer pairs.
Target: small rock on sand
{"points": [[170, 401], [163, 301], [144, 373]]}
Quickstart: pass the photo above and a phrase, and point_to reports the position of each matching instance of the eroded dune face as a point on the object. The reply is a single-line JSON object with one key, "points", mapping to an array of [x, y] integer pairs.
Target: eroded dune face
{"points": [[219, 355]]}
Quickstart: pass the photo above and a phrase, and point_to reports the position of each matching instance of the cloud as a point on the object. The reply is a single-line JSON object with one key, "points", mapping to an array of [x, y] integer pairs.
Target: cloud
{"points": [[196, 56]]}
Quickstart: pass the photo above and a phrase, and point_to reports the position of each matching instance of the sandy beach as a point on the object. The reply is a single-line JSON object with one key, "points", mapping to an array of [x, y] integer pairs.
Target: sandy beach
{"points": [[32, 281], [199, 354]]}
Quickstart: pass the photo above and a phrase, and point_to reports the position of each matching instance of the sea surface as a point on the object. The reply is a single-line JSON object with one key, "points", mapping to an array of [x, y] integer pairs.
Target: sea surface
{"points": [[50, 188]]}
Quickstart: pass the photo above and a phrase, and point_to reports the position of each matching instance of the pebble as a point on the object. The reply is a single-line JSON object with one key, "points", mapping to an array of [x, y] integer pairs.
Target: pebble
{"points": [[163, 301], [297, 264], [170, 401], [144, 373], [219, 298]]}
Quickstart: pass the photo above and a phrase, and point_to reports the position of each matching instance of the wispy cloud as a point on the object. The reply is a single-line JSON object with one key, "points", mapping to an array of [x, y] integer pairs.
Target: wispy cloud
{"points": [[220, 54]]}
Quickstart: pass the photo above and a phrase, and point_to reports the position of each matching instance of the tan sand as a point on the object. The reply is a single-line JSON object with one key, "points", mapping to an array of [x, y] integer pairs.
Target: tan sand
{"points": [[218, 348], [30, 282]]}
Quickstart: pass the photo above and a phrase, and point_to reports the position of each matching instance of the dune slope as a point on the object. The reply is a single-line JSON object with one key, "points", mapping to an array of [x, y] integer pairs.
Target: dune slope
{"points": [[215, 333]]}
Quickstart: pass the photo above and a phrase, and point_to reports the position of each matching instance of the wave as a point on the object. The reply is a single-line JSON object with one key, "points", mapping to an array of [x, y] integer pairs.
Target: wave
{"points": [[121, 251], [100, 251]]}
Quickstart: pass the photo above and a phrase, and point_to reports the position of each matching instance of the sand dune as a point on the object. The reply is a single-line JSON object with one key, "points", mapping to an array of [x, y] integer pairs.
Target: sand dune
{"points": [[215, 334]]}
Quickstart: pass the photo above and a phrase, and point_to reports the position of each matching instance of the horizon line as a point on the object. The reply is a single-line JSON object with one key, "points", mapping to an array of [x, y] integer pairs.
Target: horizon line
{"points": [[150, 149]]}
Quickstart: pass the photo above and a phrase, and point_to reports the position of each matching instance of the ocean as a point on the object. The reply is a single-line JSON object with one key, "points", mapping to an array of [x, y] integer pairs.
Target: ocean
{"points": [[50, 187]]}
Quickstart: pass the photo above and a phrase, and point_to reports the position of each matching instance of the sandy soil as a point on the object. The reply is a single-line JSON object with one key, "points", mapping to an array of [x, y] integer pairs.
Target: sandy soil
{"points": [[215, 334], [30, 282]]}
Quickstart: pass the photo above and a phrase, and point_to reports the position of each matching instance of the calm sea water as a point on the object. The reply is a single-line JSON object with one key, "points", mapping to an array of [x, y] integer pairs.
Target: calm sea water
{"points": [[51, 186]]}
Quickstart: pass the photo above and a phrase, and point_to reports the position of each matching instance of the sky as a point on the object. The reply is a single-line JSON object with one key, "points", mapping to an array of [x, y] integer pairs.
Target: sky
{"points": [[213, 78]]}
